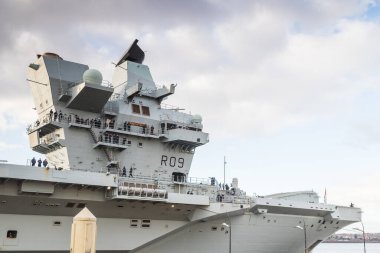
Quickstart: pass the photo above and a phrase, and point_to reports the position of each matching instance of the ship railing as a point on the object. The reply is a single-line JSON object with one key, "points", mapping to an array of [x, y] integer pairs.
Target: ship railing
{"points": [[197, 180], [101, 171], [107, 83], [235, 200], [198, 186], [36, 124], [148, 92], [164, 118], [239, 201], [124, 178], [46, 119], [59, 117], [143, 190], [192, 181], [177, 125], [169, 107], [115, 96], [132, 127]]}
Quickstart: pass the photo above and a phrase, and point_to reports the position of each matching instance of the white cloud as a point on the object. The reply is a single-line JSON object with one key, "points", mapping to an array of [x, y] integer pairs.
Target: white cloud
{"points": [[8, 146], [16, 112], [248, 67], [309, 76]]}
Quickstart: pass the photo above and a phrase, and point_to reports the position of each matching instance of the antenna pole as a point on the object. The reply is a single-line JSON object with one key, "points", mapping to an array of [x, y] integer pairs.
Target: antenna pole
{"points": [[224, 172]]}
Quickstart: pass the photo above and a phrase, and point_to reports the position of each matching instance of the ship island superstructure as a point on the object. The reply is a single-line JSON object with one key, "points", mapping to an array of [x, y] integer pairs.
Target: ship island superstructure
{"points": [[117, 149]]}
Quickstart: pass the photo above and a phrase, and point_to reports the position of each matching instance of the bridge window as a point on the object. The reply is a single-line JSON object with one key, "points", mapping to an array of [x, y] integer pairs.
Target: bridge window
{"points": [[179, 177], [135, 108], [11, 234], [171, 126], [145, 110]]}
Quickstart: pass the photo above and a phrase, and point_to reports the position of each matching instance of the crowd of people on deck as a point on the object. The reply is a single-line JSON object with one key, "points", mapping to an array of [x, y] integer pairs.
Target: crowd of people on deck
{"points": [[96, 122], [112, 138], [124, 172], [39, 162]]}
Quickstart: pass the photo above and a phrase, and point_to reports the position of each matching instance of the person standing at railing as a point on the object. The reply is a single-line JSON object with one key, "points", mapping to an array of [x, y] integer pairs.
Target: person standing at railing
{"points": [[39, 162], [60, 116], [131, 172], [51, 114], [45, 163], [33, 161]]}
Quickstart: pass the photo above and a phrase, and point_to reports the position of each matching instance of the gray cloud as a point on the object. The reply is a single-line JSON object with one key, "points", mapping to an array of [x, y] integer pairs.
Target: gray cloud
{"points": [[257, 57]]}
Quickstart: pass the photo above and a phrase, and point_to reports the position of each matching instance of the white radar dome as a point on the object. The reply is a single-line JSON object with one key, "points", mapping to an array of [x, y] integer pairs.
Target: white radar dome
{"points": [[93, 76], [197, 119]]}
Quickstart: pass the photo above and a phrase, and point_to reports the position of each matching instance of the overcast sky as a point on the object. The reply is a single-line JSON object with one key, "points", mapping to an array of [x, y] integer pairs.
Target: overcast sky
{"points": [[289, 90]]}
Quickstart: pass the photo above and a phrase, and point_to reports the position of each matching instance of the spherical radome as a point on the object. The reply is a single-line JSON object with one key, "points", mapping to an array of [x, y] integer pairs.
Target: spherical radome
{"points": [[93, 76]]}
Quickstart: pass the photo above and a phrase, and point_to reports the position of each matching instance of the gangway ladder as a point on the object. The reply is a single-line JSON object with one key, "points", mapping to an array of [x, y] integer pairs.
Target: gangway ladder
{"points": [[109, 154]]}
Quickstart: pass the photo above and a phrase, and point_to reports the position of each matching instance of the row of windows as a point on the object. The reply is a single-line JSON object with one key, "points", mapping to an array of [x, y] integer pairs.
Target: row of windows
{"points": [[12, 234], [144, 109], [143, 224], [79, 205]]}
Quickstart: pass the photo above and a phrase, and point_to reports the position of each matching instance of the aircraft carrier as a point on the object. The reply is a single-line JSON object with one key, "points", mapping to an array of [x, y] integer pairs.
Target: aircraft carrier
{"points": [[118, 150]]}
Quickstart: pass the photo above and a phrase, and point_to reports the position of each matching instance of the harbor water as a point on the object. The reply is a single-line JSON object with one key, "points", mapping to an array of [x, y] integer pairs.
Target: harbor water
{"points": [[347, 248]]}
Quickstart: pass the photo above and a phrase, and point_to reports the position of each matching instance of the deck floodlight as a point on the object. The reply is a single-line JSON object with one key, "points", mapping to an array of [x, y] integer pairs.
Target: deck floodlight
{"points": [[225, 225]]}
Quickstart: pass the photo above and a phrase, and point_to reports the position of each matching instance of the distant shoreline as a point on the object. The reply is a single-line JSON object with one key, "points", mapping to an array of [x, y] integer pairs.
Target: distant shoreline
{"points": [[354, 242], [353, 238]]}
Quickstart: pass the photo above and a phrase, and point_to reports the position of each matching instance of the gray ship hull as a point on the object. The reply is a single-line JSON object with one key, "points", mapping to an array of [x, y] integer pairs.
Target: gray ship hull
{"points": [[269, 233]]}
